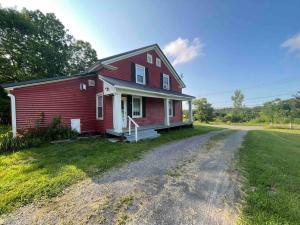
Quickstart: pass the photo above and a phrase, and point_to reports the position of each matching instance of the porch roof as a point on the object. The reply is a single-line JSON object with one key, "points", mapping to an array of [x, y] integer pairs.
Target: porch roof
{"points": [[128, 85]]}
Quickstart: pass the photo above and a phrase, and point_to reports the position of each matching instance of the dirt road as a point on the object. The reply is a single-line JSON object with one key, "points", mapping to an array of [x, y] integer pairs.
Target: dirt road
{"points": [[192, 181]]}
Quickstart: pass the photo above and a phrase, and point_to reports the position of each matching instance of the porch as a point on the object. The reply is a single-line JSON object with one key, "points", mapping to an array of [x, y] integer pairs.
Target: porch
{"points": [[156, 127], [143, 109]]}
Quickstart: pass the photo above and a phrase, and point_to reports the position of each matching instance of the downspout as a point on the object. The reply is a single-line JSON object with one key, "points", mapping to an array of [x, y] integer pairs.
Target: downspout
{"points": [[13, 114]]}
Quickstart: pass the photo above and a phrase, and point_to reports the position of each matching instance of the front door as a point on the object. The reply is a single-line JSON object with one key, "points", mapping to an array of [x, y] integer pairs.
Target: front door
{"points": [[124, 111]]}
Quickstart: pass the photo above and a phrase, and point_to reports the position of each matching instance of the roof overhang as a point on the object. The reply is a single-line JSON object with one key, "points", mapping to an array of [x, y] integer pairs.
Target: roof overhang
{"points": [[110, 88]]}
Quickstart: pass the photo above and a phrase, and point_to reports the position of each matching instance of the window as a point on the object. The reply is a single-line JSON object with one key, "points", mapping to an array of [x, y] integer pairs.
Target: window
{"points": [[158, 62], [137, 107], [140, 74], [166, 82], [171, 108], [149, 58], [99, 105]]}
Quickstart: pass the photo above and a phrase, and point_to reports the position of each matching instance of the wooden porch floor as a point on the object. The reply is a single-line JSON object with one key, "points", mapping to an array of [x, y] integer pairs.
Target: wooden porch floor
{"points": [[156, 127]]}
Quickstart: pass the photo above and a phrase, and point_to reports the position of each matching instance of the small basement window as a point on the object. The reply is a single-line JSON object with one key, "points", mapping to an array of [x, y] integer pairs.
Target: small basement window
{"points": [[140, 74], [158, 62], [166, 82], [137, 107], [99, 106], [149, 58]]}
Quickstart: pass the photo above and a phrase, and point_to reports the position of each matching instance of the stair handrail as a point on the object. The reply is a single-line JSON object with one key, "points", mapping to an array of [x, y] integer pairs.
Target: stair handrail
{"points": [[130, 120]]}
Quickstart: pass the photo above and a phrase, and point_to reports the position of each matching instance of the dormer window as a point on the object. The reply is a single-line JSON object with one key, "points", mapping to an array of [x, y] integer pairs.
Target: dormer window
{"points": [[166, 82], [140, 75], [158, 62], [149, 58]]}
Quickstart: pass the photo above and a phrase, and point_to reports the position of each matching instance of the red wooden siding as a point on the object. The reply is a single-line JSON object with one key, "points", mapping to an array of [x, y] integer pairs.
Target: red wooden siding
{"points": [[155, 113], [62, 98], [124, 70]]}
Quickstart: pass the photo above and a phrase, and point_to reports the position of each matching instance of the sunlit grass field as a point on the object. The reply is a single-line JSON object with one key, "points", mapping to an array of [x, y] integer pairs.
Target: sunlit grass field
{"points": [[270, 162], [44, 172]]}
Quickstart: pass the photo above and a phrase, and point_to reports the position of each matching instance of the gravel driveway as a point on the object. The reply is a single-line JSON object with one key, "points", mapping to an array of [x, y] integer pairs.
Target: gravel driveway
{"points": [[191, 181]]}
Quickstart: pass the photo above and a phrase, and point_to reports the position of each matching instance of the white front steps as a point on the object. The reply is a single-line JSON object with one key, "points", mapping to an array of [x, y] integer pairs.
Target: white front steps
{"points": [[142, 135]]}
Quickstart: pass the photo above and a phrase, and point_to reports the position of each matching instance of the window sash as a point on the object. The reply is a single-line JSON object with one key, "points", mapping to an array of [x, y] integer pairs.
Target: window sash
{"points": [[99, 106], [137, 107], [140, 74], [166, 82], [149, 58], [171, 108], [158, 62]]}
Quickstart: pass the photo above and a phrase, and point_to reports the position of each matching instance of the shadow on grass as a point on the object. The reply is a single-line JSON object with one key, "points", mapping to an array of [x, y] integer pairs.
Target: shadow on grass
{"points": [[46, 171]]}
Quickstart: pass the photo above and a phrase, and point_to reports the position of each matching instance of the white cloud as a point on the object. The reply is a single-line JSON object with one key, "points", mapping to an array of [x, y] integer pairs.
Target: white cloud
{"points": [[183, 51], [292, 44]]}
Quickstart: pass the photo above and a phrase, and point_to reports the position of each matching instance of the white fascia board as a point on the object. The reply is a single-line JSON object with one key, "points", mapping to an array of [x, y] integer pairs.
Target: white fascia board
{"points": [[161, 55], [133, 91]]}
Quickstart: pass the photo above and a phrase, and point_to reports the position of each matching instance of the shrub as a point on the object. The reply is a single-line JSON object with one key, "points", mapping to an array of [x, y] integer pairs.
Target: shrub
{"points": [[36, 136], [11, 144]]}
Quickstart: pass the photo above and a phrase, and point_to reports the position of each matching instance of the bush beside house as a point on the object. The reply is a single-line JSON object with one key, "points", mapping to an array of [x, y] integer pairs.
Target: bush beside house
{"points": [[37, 135]]}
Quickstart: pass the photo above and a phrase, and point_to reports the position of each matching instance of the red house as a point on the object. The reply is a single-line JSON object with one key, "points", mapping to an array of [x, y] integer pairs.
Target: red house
{"points": [[138, 88]]}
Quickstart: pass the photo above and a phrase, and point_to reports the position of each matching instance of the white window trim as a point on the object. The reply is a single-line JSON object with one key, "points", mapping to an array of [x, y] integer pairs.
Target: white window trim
{"points": [[141, 106], [97, 106], [166, 76], [136, 80], [158, 65], [171, 102], [149, 56]]}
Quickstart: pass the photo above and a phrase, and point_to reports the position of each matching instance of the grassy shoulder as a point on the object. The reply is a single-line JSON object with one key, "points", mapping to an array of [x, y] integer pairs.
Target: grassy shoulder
{"points": [[270, 162], [46, 171]]}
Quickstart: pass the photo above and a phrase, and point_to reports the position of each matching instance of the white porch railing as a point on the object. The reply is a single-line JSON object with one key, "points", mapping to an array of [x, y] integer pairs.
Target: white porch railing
{"points": [[130, 120]]}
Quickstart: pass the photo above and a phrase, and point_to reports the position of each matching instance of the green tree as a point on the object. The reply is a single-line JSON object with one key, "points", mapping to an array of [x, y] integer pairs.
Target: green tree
{"points": [[82, 57], [269, 110], [203, 111], [36, 45], [4, 107], [291, 110], [237, 99]]}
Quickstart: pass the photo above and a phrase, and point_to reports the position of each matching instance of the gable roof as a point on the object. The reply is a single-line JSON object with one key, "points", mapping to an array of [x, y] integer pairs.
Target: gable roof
{"points": [[134, 52]]}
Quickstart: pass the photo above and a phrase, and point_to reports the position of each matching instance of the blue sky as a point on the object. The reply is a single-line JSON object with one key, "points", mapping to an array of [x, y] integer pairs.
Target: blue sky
{"points": [[218, 46]]}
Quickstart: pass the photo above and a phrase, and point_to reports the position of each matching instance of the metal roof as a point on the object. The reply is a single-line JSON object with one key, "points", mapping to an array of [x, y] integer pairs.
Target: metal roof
{"points": [[36, 81], [130, 84]]}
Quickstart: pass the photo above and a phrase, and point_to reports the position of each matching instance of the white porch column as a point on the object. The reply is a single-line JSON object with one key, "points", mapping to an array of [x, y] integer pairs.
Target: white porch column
{"points": [[167, 117], [117, 113], [190, 112], [13, 114]]}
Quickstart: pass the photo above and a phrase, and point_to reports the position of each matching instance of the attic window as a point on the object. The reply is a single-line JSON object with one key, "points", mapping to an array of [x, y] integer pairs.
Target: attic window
{"points": [[149, 58], [158, 62]]}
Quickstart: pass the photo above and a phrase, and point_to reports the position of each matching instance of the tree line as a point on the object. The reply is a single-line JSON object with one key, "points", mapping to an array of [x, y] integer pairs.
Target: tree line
{"points": [[277, 111], [34, 45]]}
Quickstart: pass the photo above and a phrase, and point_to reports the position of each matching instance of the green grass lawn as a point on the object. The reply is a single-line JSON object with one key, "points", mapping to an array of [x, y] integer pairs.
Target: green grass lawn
{"points": [[270, 162], [44, 172]]}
